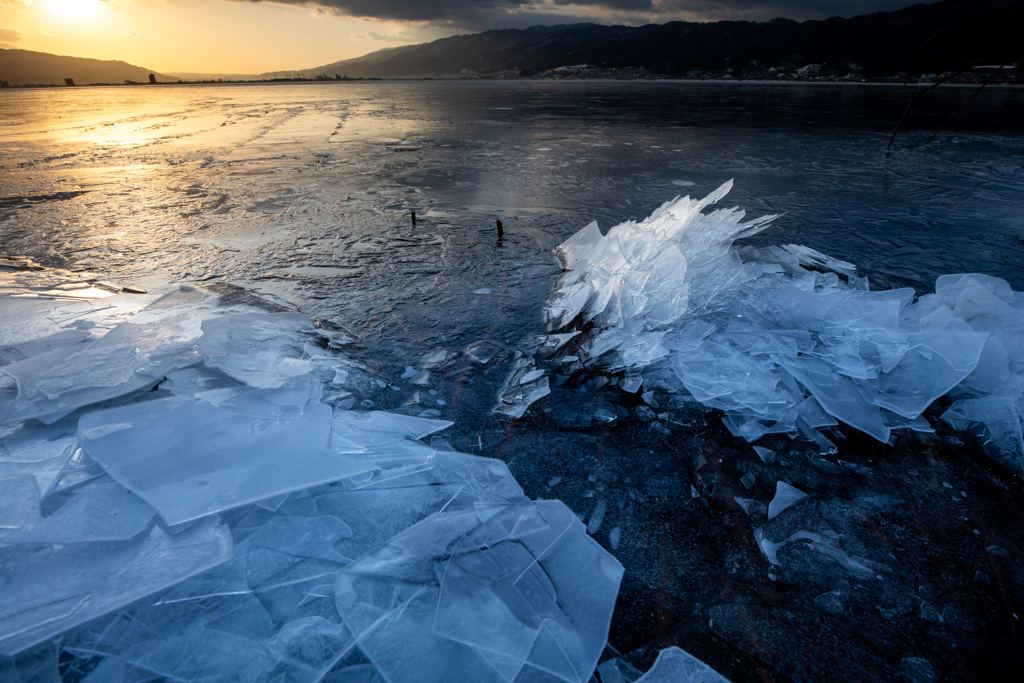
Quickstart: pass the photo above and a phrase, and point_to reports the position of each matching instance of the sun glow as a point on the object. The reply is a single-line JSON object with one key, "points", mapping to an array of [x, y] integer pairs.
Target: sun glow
{"points": [[77, 11]]}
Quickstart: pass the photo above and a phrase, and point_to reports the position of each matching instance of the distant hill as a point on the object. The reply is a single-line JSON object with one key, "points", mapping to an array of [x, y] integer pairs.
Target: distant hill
{"points": [[25, 67], [873, 46]]}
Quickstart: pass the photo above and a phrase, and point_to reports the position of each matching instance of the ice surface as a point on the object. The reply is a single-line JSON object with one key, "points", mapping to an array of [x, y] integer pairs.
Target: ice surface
{"points": [[679, 666], [787, 339]]}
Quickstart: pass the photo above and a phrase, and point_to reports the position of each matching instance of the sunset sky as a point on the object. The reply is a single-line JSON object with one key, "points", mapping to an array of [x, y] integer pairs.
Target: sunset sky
{"points": [[255, 36]]}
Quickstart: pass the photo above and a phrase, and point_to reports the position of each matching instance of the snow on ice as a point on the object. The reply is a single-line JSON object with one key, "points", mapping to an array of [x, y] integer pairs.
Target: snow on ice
{"points": [[178, 501]]}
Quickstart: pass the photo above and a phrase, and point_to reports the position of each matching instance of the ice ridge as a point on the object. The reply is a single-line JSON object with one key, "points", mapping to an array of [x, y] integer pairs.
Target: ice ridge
{"points": [[787, 339]]}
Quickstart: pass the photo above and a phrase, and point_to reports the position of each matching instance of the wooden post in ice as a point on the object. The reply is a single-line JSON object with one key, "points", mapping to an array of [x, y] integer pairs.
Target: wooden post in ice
{"points": [[501, 233], [414, 219]]}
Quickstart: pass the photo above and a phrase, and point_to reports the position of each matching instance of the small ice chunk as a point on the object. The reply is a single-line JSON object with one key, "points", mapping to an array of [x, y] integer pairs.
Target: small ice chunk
{"points": [[632, 383], [613, 537], [410, 371], [785, 496], [482, 351], [771, 549], [767, 455], [679, 666], [518, 394], [483, 291]]}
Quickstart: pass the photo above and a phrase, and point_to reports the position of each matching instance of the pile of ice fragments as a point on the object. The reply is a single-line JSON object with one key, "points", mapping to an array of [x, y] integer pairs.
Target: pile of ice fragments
{"points": [[786, 339], [180, 502]]}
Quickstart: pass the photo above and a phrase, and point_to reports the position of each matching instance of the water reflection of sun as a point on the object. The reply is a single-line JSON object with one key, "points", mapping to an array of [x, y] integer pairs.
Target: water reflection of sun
{"points": [[75, 10]]}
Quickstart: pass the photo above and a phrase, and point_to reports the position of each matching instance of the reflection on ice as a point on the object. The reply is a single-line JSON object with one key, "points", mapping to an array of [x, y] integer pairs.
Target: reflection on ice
{"points": [[786, 339]]}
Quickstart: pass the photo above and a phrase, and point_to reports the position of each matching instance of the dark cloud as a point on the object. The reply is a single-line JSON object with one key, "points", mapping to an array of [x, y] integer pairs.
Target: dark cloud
{"points": [[484, 14]]}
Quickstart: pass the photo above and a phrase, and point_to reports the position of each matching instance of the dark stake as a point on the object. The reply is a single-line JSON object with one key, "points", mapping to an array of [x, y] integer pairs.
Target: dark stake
{"points": [[501, 233], [414, 219]]}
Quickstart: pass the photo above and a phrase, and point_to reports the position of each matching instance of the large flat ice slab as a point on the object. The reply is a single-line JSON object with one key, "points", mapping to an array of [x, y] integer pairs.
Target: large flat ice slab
{"points": [[190, 457]]}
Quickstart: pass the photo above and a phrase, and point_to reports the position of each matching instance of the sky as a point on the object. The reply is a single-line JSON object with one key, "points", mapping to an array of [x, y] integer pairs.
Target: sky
{"points": [[257, 36]]}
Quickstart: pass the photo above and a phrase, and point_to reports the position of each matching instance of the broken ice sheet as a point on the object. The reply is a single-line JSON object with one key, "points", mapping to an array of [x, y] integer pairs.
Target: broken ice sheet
{"points": [[41, 453], [1001, 420], [234, 636], [489, 593], [188, 457], [388, 441], [134, 355], [50, 589]]}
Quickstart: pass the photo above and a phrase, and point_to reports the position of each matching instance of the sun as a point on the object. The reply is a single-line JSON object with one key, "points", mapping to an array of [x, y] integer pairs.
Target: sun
{"points": [[77, 11]]}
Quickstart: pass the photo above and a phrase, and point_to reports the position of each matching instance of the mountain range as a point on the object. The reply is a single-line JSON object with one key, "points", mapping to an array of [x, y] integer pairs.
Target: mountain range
{"points": [[871, 47], [875, 46]]}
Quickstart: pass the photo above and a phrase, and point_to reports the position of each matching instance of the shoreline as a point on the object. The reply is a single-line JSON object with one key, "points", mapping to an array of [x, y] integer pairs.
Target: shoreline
{"points": [[723, 81]]}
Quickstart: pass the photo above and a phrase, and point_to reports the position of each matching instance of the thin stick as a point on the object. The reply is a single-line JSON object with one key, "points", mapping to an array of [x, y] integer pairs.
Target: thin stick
{"points": [[987, 81], [910, 102]]}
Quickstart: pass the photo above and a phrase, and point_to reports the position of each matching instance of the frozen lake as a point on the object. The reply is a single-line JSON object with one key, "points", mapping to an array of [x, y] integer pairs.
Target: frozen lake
{"points": [[303, 194]]}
